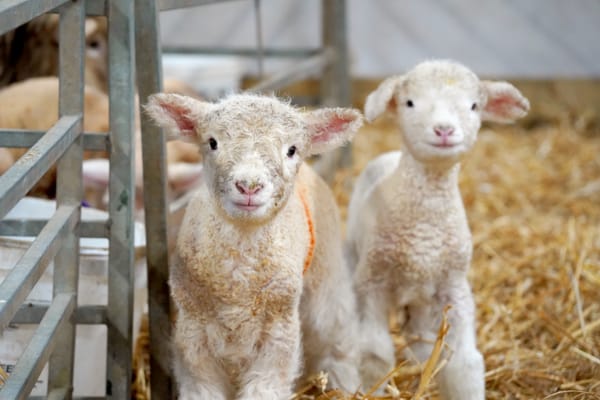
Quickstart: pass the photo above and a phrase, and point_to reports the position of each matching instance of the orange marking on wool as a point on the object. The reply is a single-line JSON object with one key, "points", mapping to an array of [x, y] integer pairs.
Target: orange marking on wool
{"points": [[311, 230]]}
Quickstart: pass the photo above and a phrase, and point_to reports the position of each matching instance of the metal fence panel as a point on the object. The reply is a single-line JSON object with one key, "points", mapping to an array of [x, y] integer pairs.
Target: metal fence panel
{"points": [[21, 177], [35, 356]]}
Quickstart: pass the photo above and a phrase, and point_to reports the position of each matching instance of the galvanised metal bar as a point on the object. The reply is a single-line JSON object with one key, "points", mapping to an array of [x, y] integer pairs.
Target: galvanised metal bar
{"points": [[44, 341], [33, 227], [121, 23], [95, 7], [22, 278], [69, 188], [14, 13], [32, 313], [155, 203], [291, 53], [99, 7], [295, 73], [24, 138], [335, 82], [21, 177], [164, 5]]}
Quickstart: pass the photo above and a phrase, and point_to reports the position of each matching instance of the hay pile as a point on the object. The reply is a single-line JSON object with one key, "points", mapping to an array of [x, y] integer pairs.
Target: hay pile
{"points": [[533, 202]]}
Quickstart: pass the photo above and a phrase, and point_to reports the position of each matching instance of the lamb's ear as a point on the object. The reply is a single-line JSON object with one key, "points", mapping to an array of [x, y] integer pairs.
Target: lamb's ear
{"points": [[180, 116], [504, 102], [329, 128], [382, 98]]}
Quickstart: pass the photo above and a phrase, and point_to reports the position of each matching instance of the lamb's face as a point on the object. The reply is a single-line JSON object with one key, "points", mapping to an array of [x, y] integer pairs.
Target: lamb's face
{"points": [[439, 108], [440, 105], [252, 146], [252, 152]]}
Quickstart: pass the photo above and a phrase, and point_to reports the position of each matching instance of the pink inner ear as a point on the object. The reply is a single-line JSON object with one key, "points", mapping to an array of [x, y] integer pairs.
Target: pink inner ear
{"points": [[180, 116], [501, 105], [334, 125]]}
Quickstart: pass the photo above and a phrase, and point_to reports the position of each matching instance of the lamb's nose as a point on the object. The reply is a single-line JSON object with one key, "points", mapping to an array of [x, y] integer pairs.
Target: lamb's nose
{"points": [[244, 188], [444, 130]]}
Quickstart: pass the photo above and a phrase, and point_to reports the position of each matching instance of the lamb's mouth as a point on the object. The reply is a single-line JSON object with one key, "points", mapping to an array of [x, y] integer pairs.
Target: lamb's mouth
{"points": [[250, 206], [445, 145]]}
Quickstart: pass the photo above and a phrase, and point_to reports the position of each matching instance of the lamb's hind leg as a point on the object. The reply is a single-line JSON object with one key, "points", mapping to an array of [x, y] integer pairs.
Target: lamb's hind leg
{"points": [[463, 376]]}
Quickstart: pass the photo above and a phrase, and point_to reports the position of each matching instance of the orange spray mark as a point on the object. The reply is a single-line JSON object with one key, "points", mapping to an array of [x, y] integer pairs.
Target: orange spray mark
{"points": [[311, 230]]}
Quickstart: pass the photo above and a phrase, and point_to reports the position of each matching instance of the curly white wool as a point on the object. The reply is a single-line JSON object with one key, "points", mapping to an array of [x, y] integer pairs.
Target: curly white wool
{"points": [[408, 236], [246, 313]]}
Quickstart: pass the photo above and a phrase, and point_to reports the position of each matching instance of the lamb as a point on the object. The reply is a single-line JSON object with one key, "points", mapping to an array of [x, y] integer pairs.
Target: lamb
{"points": [[407, 232], [258, 263], [31, 51]]}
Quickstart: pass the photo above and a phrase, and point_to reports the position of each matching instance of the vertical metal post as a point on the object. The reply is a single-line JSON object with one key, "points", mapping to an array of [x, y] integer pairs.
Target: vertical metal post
{"points": [[335, 82], [69, 188], [260, 48], [149, 77], [122, 198]]}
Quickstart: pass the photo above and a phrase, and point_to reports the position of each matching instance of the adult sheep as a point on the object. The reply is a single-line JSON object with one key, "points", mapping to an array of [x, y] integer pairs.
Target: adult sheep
{"points": [[258, 259], [408, 234]]}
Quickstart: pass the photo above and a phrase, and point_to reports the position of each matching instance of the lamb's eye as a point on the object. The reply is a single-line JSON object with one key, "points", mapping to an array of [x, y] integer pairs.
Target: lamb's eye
{"points": [[474, 106], [212, 143], [291, 151], [409, 103]]}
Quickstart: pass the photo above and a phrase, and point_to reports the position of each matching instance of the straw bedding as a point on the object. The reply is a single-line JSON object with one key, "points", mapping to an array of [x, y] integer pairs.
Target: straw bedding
{"points": [[533, 202]]}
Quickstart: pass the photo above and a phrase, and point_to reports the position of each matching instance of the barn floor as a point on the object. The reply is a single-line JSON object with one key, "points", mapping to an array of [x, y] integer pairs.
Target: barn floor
{"points": [[533, 201]]}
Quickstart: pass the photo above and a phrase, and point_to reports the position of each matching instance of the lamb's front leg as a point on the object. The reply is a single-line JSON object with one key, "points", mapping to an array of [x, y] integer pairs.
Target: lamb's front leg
{"points": [[271, 374], [463, 376], [199, 377]]}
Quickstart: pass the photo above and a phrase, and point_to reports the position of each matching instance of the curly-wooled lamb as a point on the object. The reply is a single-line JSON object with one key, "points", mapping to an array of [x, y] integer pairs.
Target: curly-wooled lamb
{"points": [[259, 279], [408, 235]]}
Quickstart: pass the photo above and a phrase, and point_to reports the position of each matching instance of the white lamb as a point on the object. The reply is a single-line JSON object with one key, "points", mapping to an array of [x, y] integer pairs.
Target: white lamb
{"points": [[408, 234], [259, 258]]}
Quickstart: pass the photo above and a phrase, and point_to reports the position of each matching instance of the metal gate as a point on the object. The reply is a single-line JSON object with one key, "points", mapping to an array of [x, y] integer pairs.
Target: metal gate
{"points": [[58, 237]]}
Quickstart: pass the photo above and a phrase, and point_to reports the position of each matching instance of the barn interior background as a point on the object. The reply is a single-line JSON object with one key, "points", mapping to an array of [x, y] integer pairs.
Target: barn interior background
{"points": [[531, 190]]}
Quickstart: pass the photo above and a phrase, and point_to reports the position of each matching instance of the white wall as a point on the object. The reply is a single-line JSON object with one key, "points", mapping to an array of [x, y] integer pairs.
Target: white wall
{"points": [[509, 38]]}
